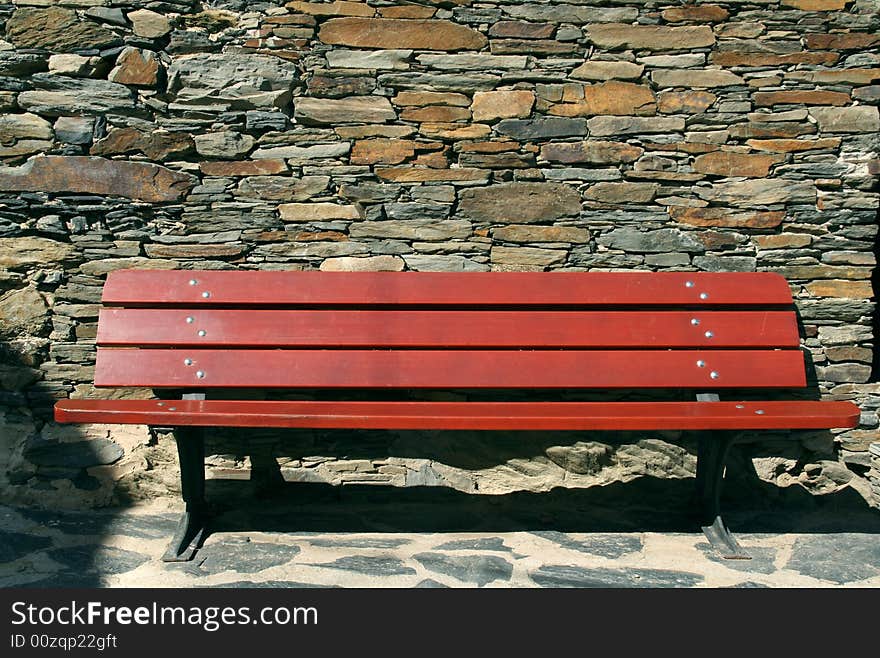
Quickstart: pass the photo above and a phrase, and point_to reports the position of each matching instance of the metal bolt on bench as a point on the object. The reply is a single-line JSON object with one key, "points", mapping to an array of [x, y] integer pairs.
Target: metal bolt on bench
{"points": [[190, 334]]}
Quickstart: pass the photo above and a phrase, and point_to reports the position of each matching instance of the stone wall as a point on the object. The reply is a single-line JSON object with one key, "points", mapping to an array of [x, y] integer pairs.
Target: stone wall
{"points": [[462, 135]]}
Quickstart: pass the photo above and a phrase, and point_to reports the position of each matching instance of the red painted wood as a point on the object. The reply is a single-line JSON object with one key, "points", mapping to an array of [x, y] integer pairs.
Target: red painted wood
{"points": [[263, 328], [148, 288], [157, 368], [466, 415]]}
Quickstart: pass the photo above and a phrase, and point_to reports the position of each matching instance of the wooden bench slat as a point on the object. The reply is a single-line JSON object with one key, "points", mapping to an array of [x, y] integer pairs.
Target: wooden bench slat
{"points": [[488, 328], [158, 368], [142, 288], [466, 415]]}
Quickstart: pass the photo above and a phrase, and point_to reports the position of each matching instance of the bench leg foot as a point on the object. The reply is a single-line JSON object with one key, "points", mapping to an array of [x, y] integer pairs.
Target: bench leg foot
{"points": [[711, 456], [192, 528]]}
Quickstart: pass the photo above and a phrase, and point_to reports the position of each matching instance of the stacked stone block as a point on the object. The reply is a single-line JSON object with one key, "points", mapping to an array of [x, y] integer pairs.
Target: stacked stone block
{"points": [[450, 135]]}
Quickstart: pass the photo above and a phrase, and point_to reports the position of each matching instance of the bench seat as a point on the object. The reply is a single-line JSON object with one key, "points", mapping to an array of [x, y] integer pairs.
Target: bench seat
{"points": [[199, 338], [400, 415]]}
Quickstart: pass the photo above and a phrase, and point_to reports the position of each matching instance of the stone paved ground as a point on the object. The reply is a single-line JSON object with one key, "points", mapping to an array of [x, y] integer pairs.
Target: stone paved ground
{"points": [[250, 548]]}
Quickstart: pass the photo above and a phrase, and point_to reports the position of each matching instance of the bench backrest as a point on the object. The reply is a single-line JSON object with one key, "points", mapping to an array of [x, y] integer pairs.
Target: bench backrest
{"points": [[216, 329]]}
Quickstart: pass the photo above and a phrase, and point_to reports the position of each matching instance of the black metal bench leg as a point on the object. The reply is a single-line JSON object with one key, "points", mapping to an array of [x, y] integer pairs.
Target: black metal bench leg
{"points": [[711, 456], [191, 529]]}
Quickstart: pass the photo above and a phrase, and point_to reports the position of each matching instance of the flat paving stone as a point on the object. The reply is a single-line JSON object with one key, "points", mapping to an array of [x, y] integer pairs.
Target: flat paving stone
{"points": [[763, 559], [100, 560], [142, 526], [482, 544], [358, 542], [479, 569], [370, 566], [15, 545], [603, 545], [243, 556], [267, 584], [840, 558], [569, 576]]}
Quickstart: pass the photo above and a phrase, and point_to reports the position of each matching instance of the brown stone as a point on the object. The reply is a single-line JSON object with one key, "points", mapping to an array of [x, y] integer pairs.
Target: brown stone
{"points": [[610, 98], [854, 76], [522, 30], [650, 37], [723, 217], [245, 168], [529, 233], [435, 114], [727, 163], [695, 14], [688, 102], [759, 192], [406, 11], [397, 33], [336, 8], [622, 192], [783, 241], [363, 132], [382, 263], [56, 29], [490, 105], [194, 250], [28, 251], [382, 151], [90, 175], [823, 272], [793, 145], [455, 131], [156, 145], [22, 311], [488, 147], [846, 41], [777, 129], [282, 188], [740, 58], [354, 109], [841, 288], [602, 70], [149, 24], [422, 98], [800, 97], [695, 78], [414, 175], [317, 212], [815, 5], [528, 256], [532, 47], [135, 66], [595, 152], [519, 203]]}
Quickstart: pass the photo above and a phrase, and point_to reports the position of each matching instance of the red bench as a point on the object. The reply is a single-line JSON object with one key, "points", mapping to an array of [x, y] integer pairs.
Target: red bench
{"points": [[191, 333]]}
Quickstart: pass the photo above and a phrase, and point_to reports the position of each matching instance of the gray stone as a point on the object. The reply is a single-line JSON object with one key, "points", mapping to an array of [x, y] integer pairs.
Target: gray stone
{"points": [[354, 109], [282, 188], [17, 63], [149, 24], [22, 311], [473, 62], [479, 569], [315, 152], [15, 545], [519, 203], [432, 263], [572, 576], [370, 566], [610, 546], [463, 82], [481, 544], [359, 542], [227, 144], [656, 241], [366, 59], [57, 95], [75, 130], [79, 454], [574, 12], [112, 15], [260, 120], [542, 128], [841, 558], [231, 81], [91, 564], [412, 229], [726, 263], [583, 458], [611, 125], [759, 192], [56, 29], [244, 556], [401, 211], [858, 119]]}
